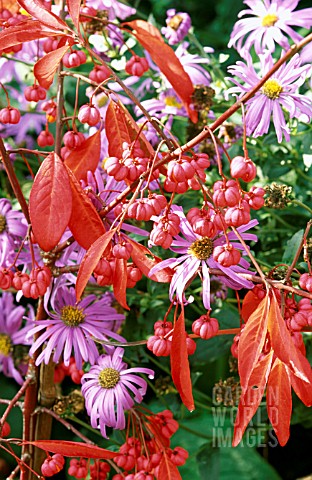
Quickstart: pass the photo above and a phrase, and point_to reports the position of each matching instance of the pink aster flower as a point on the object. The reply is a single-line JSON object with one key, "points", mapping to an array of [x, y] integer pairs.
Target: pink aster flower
{"points": [[178, 25], [270, 20], [110, 388], [11, 334], [192, 64], [73, 327], [278, 93], [197, 258], [13, 228]]}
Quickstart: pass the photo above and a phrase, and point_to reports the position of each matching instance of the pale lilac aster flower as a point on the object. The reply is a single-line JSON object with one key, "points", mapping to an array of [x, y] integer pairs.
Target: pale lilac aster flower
{"points": [[72, 327], [192, 64], [178, 25], [168, 103], [114, 8], [278, 93], [270, 21], [11, 333], [110, 388], [197, 257], [13, 228]]}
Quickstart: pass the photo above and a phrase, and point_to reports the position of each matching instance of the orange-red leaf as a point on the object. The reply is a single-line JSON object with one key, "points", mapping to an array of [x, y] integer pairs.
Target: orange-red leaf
{"points": [[50, 202], [279, 401], [73, 449], [120, 282], [303, 390], [85, 222], [86, 157], [251, 398], [45, 68], [25, 32], [74, 11], [180, 368], [36, 9], [90, 261], [250, 303], [252, 341], [165, 58], [283, 346], [11, 5], [116, 128], [145, 263], [167, 470]]}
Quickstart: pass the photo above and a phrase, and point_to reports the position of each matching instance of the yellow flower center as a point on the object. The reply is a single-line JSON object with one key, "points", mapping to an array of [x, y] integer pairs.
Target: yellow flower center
{"points": [[5, 344], [72, 316], [101, 100], [171, 101], [272, 89], [175, 22], [201, 249], [269, 20], [108, 378], [2, 223]]}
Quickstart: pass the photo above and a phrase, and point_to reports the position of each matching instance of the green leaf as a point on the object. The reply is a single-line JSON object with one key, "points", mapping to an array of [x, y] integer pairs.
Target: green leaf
{"points": [[244, 464], [292, 246], [209, 462]]}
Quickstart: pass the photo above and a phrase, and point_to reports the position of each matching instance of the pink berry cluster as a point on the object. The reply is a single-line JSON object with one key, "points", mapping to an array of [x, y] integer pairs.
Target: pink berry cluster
{"points": [[104, 271], [140, 457], [160, 343], [33, 285], [131, 165]]}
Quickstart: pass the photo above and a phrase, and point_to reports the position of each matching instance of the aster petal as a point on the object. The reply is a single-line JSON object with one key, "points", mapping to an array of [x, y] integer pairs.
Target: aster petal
{"points": [[206, 285], [183, 274]]}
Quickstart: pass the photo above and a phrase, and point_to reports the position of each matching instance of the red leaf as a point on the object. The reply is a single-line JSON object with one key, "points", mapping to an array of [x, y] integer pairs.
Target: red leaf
{"points": [[25, 32], [86, 157], [252, 341], [50, 202], [36, 9], [180, 368], [85, 222], [279, 401], [90, 261], [165, 58], [45, 68], [116, 129], [250, 303], [145, 264], [283, 345], [303, 390], [120, 282], [167, 470], [73, 449], [251, 399], [74, 11]]}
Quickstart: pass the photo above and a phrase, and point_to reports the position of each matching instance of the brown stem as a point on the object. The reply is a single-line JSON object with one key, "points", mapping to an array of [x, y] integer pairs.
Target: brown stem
{"points": [[297, 255], [30, 403], [46, 398], [252, 258], [13, 180]]}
